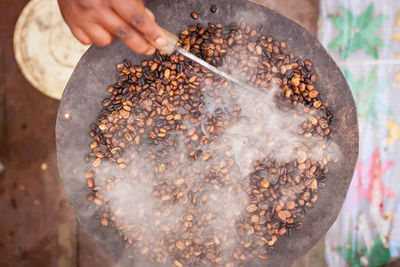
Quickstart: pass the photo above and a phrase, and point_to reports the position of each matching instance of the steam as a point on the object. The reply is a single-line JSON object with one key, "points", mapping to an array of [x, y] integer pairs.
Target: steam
{"points": [[146, 218], [268, 131], [164, 192]]}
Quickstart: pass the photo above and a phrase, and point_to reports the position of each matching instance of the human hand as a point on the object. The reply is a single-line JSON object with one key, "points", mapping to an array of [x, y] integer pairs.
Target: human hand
{"points": [[100, 21]]}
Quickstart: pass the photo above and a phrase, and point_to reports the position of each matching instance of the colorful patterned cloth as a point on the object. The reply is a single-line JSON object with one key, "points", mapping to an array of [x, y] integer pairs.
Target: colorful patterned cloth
{"points": [[363, 36]]}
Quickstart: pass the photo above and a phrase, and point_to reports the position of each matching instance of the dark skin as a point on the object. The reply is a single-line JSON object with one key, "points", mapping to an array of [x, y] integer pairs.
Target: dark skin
{"points": [[101, 21]]}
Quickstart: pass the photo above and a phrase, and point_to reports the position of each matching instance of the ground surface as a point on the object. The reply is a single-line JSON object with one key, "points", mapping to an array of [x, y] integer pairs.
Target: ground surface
{"points": [[37, 225]]}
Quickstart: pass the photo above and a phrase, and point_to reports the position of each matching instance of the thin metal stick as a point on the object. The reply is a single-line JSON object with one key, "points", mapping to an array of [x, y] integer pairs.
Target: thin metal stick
{"points": [[214, 69]]}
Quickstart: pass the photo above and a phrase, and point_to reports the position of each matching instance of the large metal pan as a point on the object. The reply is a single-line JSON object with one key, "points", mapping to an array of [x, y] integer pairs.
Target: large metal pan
{"points": [[81, 103]]}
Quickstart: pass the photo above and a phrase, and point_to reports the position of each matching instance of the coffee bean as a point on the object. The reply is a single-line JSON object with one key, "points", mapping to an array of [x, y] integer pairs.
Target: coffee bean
{"points": [[160, 123], [213, 8], [194, 15]]}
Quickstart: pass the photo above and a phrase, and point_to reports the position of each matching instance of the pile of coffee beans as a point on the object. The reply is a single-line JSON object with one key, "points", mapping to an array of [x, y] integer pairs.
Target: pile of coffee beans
{"points": [[160, 134]]}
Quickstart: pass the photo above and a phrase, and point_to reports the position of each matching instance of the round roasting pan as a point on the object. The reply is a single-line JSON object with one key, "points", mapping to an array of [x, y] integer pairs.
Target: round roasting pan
{"points": [[81, 104]]}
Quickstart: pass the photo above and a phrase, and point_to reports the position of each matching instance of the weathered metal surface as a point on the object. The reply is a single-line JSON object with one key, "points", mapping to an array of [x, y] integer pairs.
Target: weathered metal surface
{"points": [[96, 70]]}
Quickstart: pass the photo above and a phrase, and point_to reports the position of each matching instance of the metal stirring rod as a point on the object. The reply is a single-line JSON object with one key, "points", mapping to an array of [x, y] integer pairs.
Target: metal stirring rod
{"points": [[213, 69], [172, 46]]}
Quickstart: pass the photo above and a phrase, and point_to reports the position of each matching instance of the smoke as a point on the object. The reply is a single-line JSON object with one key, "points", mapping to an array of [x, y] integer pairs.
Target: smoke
{"points": [[266, 130], [163, 193], [172, 197]]}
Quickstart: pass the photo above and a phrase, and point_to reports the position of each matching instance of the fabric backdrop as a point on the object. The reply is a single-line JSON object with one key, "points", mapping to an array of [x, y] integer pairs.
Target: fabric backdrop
{"points": [[363, 36]]}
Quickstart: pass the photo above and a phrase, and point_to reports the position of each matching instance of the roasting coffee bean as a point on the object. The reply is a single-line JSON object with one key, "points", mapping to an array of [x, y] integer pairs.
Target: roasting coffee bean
{"points": [[213, 8], [160, 125], [194, 15]]}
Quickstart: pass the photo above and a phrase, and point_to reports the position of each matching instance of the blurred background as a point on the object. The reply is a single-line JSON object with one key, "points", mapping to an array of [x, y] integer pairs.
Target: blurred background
{"points": [[38, 54]]}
